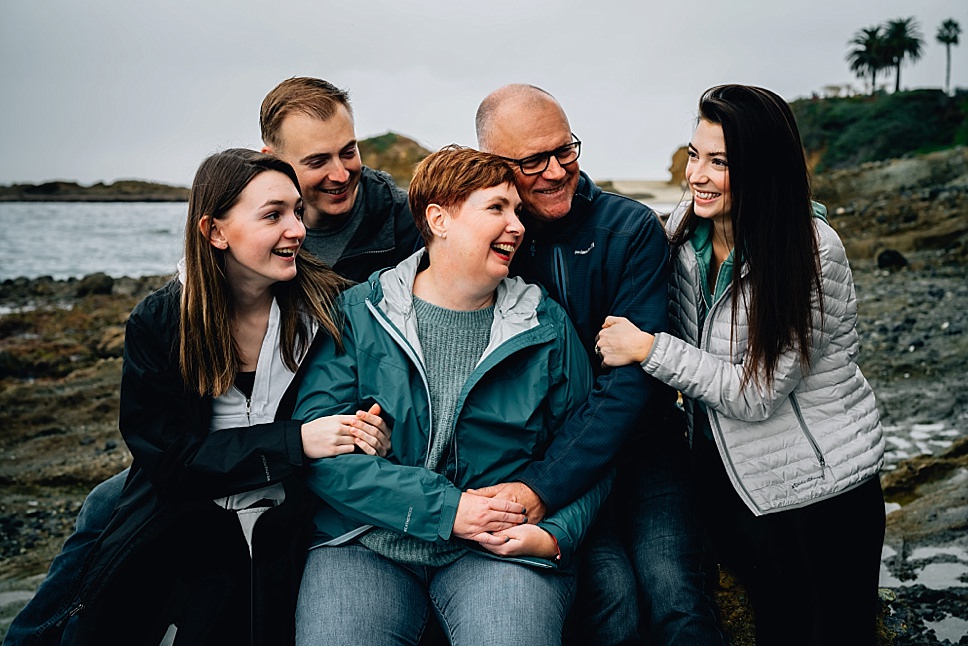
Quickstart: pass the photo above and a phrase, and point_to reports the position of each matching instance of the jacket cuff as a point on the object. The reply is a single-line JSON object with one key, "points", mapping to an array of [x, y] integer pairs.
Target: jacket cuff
{"points": [[448, 513], [562, 542], [294, 448]]}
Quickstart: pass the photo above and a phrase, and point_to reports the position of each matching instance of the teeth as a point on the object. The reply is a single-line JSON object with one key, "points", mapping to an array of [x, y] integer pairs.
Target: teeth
{"points": [[507, 248], [333, 191], [705, 196], [287, 253]]}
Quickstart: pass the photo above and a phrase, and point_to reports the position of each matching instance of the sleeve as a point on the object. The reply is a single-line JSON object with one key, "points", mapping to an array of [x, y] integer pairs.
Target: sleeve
{"points": [[621, 398], [570, 523], [371, 490], [166, 427], [717, 382]]}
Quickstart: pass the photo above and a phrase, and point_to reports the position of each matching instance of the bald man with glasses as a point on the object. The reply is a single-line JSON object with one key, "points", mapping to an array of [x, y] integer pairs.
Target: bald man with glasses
{"points": [[601, 254]]}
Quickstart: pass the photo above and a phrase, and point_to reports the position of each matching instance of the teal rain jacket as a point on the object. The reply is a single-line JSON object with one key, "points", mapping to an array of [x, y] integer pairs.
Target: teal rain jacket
{"points": [[532, 376]]}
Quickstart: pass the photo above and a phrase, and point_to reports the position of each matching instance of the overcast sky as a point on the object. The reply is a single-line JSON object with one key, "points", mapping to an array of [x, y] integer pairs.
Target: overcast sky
{"points": [[103, 90]]}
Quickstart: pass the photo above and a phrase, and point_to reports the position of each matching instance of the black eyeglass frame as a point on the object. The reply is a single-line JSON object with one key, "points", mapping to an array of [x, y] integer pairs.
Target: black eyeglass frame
{"points": [[576, 144]]}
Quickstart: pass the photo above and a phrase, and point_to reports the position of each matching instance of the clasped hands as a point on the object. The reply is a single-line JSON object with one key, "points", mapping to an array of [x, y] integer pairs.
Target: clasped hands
{"points": [[501, 519], [338, 434]]}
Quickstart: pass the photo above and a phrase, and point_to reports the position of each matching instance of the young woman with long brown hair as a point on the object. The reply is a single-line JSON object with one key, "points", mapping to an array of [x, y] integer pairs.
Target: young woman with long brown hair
{"points": [[207, 541]]}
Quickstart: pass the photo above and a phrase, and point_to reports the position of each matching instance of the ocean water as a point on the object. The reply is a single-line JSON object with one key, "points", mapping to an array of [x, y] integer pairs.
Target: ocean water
{"points": [[74, 239]]}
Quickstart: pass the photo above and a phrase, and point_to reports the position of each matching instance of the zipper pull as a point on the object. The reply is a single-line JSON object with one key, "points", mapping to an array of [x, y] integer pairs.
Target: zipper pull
{"points": [[532, 247], [248, 409]]}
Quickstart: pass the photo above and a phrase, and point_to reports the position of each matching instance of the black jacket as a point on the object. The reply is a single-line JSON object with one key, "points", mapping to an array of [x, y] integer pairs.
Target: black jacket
{"points": [[386, 234], [169, 554]]}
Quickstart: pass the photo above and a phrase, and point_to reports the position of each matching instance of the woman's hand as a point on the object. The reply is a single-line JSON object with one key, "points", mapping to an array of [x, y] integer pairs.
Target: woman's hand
{"points": [[339, 434], [524, 540], [478, 517], [620, 343]]}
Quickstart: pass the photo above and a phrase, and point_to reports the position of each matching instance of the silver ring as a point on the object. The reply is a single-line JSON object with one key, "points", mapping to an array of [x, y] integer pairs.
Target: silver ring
{"points": [[598, 351]]}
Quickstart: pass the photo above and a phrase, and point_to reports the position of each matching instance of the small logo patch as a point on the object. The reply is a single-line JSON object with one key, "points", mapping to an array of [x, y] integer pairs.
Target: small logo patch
{"points": [[406, 523]]}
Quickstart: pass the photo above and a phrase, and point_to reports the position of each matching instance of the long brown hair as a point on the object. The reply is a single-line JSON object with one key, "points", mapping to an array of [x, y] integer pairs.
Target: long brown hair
{"points": [[208, 355], [772, 224]]}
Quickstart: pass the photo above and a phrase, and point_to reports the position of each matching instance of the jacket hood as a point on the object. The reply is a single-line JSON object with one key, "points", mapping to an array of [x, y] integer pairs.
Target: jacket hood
{"points": [[515, 305]]}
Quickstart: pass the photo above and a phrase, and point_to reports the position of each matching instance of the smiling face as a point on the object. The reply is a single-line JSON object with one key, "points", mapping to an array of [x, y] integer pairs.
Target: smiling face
{"points": [[262, 232], [707, 172], [522, 128], [326, 159], [479, 237]]}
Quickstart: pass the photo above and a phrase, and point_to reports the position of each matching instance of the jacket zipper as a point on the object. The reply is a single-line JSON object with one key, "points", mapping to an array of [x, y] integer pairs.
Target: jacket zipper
{"points": [[561, 279], [408, 350], [821, 460], [713, 415]]}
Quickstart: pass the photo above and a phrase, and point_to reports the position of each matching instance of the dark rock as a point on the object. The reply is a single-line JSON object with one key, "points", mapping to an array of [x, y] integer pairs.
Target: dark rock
{"points": [[891, 259], [99, 283]]}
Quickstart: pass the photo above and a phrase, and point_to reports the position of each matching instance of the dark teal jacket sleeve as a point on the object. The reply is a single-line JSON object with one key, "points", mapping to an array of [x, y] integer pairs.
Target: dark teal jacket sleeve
{"points": [[371, 490]]}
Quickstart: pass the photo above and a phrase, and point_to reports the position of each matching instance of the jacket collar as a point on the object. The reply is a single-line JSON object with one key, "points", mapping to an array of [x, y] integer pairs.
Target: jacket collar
{"points": [[515, 306], [581, 205]]}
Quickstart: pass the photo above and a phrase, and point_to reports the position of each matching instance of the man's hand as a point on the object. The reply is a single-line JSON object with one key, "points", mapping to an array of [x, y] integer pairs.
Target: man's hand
{"points": [[479, 516], [516, 492]]}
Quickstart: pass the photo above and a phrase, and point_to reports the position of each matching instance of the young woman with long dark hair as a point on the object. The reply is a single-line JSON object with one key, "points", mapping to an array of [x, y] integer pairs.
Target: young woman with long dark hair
{"points": [[763, 346]]}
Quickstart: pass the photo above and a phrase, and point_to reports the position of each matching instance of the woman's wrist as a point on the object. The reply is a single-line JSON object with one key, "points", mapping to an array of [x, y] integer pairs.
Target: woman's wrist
{"points": [[645, 346]]}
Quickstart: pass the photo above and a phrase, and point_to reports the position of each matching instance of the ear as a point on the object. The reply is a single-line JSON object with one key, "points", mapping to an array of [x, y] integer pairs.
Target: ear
{"points": [[214, 235], [437, 220], [266, 150]]}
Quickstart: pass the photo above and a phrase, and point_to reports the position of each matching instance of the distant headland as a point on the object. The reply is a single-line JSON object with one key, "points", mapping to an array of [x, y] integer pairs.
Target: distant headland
{"points": [[838, 133], [127, 190]]}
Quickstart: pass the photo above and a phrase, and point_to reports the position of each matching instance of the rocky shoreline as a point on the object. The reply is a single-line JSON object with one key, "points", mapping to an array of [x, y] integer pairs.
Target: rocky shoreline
{"points": [[60, 359]]}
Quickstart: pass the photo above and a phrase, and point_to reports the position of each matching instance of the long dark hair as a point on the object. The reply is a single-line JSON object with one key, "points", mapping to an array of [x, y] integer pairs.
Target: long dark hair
{"points": [[774, 238], [208, 355]]}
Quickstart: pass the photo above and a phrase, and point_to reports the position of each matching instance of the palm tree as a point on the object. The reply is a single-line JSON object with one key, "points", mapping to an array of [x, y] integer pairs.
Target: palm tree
{"points": [[868, 55], [948, 35], [903, 39]]}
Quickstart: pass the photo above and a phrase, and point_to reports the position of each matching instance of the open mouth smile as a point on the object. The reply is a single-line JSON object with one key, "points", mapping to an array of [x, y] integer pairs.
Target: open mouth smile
{"points": [[285, 252], [504, 249]]}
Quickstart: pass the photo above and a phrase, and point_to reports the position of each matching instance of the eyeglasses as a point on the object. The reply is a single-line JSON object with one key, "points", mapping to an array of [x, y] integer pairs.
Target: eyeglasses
{"points": [[537, 164]]}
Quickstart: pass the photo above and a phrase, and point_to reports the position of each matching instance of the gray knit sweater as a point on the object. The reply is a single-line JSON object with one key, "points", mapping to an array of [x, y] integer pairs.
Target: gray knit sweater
{"points": [[452, 343]]}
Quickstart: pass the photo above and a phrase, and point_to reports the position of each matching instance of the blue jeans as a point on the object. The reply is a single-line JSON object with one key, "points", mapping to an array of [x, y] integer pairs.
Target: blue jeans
{"points": [[605, 612], [352, 595], [52, 600], [641, 577], [668, 552]]}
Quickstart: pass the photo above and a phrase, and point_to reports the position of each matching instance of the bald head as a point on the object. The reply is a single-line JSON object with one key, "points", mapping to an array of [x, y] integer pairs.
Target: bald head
{"points": [[521, 121], [498, 109]]}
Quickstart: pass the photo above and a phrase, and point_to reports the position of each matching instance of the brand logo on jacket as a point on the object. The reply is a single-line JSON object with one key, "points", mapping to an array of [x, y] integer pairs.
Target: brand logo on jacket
{"points": [[800, 483]]}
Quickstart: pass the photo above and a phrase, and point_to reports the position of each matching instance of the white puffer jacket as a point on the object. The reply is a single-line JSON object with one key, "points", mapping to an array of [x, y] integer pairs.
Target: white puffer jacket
{"points": [[810, 436]]}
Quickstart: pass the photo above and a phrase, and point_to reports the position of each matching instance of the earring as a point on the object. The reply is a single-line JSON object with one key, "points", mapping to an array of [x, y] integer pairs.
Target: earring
{"points": [[443, 234]]}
